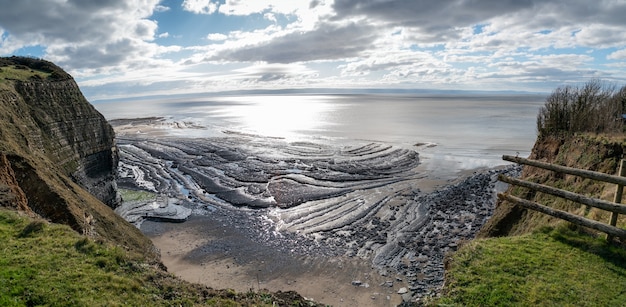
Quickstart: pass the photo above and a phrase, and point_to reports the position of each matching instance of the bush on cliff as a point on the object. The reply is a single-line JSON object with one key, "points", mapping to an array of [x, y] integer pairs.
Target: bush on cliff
{"points": [[595, 106]]}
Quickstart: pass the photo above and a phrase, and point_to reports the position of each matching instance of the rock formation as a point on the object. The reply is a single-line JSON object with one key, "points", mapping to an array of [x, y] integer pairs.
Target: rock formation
{"points": [[57, 153]]}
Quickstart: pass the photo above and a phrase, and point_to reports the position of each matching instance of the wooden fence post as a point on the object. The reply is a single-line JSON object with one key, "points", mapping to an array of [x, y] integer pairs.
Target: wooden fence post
{"points": [[618, 197]]}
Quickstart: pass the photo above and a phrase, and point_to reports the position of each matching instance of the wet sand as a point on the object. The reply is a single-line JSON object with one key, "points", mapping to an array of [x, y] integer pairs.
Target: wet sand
{"points": [[206, 251]]}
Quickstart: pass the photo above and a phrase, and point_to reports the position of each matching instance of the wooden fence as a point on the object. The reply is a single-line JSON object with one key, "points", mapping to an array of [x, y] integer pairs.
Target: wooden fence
{"points": [[614, 207]]}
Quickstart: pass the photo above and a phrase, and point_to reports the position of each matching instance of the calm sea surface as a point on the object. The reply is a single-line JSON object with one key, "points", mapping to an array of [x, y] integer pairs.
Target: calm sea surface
{"points": [[469, 131]]}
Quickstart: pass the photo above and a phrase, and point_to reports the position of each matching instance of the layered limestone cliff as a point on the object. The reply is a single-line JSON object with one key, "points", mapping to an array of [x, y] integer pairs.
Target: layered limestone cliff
{"points": [[57, 153], [73, 135]]}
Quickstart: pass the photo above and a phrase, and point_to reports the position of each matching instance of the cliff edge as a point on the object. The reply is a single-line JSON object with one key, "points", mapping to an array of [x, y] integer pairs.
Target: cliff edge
{"points": [[601, 153], [58, 157]]}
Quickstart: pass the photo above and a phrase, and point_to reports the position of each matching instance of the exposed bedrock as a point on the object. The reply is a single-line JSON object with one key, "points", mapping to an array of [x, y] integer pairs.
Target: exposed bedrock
{"points": [[358, 201], [72, 134], [58, 159]]}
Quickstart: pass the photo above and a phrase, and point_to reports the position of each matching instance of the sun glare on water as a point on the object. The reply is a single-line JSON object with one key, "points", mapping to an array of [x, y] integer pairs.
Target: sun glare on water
{"points": [[279, 116]]}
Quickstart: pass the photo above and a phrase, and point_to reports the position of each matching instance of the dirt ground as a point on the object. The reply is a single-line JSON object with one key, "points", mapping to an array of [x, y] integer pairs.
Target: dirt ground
{"points": [[220, 256]]}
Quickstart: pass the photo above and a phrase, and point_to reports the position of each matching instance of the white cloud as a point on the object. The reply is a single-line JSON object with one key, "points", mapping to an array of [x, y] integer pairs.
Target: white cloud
{"points": [[242, 8], [161, 8], [270, 17], [200, 6], [83, 34], [617, 55], [349, 42], [329, 42], [216, 37]]}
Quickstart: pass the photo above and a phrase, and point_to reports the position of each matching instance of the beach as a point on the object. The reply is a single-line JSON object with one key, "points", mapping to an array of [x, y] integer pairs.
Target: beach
{"points": [[367, 223], [347, 199], [210, 253]]}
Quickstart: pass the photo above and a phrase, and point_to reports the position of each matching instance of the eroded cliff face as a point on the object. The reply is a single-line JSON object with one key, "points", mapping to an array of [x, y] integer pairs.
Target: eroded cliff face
{"points": [[73, 135], [591, 152], [57, 154]]}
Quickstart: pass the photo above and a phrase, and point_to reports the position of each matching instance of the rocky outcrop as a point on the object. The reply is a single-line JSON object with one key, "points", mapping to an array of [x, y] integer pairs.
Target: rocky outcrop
{"points": [[73, 135], [57, 153]]}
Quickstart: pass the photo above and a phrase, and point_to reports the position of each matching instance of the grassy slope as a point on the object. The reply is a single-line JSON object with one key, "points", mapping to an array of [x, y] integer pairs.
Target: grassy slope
{"points": [[12, 72], [53, 265], [544, 262], [50, 264], [551, 267]]}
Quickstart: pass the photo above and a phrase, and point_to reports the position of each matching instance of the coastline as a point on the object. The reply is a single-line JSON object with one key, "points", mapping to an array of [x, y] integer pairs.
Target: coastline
{"points": [[365, 224], [210, 250]]}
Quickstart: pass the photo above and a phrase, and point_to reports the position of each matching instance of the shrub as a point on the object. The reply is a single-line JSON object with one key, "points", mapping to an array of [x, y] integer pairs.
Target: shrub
{"points": [[595, 106]]}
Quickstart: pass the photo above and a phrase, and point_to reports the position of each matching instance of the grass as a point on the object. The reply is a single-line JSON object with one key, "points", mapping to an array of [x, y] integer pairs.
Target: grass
{"points": [[136, 195], [551, 267], [15, 73], [43, 264]]}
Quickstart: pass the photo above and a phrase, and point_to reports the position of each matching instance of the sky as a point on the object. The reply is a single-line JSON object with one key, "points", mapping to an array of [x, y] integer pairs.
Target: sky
{"points": [[129, 48]]}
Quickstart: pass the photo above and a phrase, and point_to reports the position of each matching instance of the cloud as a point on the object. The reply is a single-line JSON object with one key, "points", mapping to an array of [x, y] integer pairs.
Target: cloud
{"points": [[382, 43], [217, 37], [617, 55], [328, 42], [81, 34], [433, 21], [390, 61], [243, 8], [440, 22], [161, 8], [260, 73], [200, 6]]}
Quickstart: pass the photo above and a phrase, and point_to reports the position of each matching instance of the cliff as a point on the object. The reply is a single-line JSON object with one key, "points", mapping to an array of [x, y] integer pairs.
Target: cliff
{"points": [[58, 158], [600, 153]]}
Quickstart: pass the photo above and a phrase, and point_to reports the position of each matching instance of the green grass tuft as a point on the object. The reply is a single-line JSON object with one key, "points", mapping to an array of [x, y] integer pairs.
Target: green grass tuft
{"points": [[137, 195], [551, 267]]}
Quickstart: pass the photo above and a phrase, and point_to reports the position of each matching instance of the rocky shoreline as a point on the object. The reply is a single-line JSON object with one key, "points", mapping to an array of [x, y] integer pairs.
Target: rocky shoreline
{"points": [[360, 201]]}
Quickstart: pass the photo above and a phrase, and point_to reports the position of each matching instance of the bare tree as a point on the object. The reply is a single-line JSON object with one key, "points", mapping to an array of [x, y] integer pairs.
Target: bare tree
{"points": [[595, 107]]}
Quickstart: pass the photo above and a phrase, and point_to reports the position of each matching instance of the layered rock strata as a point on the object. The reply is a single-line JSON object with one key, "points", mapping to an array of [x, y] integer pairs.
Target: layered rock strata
{"points": [[57, 153], [358, 200]]}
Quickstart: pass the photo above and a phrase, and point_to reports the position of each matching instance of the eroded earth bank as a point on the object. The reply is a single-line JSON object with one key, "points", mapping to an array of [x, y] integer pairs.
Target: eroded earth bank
{"points": [[360, 223]]}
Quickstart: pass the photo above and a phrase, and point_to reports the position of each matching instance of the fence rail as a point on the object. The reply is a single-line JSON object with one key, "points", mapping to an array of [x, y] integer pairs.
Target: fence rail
{"points": [[614, 207], [568, 170]]}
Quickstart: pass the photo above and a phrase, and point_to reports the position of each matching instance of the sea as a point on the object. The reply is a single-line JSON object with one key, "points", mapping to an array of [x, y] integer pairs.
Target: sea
{"points": [[451, 131]]}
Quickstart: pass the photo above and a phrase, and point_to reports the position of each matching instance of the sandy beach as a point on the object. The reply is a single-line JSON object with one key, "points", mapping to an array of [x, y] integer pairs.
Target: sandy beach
{"points": [[206, 251]]}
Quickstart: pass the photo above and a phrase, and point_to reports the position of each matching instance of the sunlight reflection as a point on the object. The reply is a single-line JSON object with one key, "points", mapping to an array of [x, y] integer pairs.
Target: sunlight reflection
{"points": [[283, 116]]}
